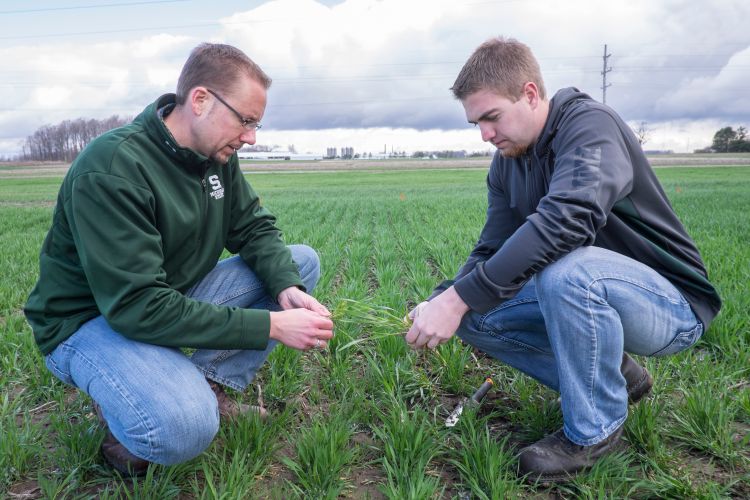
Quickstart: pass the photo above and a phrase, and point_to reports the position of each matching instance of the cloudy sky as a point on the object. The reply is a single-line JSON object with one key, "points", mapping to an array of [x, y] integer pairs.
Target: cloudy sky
{"points": [[375, 74]]}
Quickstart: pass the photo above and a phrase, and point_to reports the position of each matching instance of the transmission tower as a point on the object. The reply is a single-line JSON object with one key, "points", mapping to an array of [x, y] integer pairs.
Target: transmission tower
{"points": [[605, 70]]}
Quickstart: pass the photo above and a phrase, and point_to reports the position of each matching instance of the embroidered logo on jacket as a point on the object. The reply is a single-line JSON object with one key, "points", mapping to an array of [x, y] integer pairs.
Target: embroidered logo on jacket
{"points": [[217, 191]]}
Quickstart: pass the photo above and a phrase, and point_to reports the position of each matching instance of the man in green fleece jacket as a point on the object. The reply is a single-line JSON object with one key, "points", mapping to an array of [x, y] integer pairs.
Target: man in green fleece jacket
{"points": [[130, 271]]}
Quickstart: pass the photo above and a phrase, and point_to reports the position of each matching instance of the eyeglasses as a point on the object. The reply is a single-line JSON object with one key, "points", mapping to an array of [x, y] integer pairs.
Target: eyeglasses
{"points": [[247, 123]]}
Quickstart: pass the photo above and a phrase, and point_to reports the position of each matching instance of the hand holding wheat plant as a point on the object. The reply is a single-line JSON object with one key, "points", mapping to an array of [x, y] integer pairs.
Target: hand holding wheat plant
{"points": [[380, 321]]}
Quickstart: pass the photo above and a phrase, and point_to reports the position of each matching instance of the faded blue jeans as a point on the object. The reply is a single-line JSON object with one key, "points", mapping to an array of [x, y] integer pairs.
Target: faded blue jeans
{"points": [[155, 399], [569, 325]]}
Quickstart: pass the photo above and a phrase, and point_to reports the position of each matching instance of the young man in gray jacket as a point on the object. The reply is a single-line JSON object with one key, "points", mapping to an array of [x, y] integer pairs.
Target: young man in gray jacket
{"points": [[581, 259]]}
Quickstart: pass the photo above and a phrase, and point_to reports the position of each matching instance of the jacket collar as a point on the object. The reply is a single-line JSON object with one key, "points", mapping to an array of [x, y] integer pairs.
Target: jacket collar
{"points": [[151, 119], [557, 107]]}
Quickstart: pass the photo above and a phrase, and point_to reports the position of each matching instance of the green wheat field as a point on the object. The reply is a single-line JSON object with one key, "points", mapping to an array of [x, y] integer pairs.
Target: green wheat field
{"points": [[365, 419]]}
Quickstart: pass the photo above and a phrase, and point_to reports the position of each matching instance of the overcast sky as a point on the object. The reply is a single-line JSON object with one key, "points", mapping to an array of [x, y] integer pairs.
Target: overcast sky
{"points": [[375, 73]]}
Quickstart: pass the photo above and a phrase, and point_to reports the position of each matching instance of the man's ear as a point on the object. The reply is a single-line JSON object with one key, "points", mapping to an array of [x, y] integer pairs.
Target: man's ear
{"points": [[531, 94], [198, 99]]}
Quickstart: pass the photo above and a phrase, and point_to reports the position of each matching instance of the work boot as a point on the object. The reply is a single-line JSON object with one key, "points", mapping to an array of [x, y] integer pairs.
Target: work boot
{"points": [[555, 458], [638, 380], [229, 408], [116, 454]]}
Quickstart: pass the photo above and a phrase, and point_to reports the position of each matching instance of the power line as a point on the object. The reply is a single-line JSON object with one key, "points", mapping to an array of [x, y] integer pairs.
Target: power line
{"points": [[82, 7]]}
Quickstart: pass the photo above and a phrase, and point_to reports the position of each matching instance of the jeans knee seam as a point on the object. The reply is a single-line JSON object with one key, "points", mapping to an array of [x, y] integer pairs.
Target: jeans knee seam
{"points": [[681, 299], [501, 338], [504, 305], [210, 369], [592, 366]]}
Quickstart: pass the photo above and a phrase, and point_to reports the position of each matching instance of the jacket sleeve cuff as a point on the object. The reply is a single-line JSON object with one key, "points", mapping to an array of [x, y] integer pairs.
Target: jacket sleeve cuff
{"points": [[480, 293], [283, 282], [256, 328], [446, 284]]}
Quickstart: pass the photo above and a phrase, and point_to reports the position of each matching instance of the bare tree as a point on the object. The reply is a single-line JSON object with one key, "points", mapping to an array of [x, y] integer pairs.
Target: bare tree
{"points": [[64, 141], [642, 133]]}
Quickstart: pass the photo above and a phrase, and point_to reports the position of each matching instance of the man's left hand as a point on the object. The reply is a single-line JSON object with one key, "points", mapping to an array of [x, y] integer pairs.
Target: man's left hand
{"points": [[294, 298], [437, 320]]}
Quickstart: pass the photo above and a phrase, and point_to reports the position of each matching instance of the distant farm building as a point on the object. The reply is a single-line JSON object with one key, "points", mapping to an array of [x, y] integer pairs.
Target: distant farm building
{"points": [[276, 155]]}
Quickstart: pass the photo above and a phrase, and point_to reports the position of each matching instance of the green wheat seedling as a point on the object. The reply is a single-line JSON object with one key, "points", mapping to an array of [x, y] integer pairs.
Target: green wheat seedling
{"points": [[677, 483], [283, 378], [704, 422], [80, 443], [59, 485], [19, 445], [250, 443], [410, 443], [486, 465], [159, 482], [538, 412], [381, 321], [324, 454], [613, 476], [644, 431]]}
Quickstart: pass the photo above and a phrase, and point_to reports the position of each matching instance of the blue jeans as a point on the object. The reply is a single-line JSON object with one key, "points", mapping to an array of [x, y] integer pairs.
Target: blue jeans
{"points": [[568, 328], [156, 399]]}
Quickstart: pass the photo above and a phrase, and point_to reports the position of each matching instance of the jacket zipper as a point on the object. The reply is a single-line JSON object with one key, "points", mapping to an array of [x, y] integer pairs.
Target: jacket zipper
{"points": [[204, 208], [528, 174]]}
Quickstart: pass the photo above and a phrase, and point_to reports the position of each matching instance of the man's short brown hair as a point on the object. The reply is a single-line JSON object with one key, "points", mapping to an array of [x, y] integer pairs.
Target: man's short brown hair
{"points": [[218, 67], [502, 65]]}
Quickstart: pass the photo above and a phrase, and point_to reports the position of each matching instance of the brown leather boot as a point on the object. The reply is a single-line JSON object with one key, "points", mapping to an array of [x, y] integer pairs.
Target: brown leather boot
{"points": [[116, 454], [555, 458], [229, 408], [638, 380]]}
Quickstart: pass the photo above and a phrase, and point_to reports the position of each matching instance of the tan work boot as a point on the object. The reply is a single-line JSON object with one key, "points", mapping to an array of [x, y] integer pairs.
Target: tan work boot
{"points": [[116, 454], [229, 408]]}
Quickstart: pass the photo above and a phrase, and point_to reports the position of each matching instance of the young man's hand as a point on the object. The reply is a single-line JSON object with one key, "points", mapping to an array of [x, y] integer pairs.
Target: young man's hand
{"points": [[436, 321]]}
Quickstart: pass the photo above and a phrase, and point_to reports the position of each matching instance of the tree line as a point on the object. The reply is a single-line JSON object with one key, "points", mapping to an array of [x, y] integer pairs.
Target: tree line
{"points": [[728, 140], [63, 142]]}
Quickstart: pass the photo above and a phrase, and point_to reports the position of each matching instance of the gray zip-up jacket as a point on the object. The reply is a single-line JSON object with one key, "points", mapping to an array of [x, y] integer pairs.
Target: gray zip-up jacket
{"points": [[586, 181]]}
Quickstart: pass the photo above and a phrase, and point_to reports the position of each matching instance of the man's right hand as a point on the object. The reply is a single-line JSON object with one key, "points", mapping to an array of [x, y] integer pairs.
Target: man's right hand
{"points": [[418, 309], [301, 329]]}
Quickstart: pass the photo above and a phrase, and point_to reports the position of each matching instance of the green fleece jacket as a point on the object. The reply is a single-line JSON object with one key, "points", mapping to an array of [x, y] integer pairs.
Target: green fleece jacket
{"points": [[138, 221]]}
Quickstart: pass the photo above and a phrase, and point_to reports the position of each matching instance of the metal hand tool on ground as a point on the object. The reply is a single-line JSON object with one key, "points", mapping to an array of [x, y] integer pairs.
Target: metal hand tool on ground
{"points": [[474, 400]]}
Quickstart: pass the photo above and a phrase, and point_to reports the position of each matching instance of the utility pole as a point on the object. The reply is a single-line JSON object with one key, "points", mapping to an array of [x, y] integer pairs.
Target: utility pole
{"points": [[605, 70]]}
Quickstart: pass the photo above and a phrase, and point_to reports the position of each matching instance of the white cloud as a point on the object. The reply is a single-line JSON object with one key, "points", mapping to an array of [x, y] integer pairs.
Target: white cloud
{"points": [[388, 64], [50, 96], [715, 94]]}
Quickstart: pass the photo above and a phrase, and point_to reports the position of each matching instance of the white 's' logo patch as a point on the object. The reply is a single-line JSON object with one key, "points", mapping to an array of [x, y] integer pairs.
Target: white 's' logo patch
{"points": [[217, 191]]}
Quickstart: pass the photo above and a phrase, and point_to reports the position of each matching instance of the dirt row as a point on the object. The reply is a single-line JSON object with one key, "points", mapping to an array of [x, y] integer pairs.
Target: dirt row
{"points": [[10, 170]]}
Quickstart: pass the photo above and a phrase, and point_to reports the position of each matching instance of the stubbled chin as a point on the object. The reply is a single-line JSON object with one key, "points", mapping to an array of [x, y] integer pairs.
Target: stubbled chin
{"points": [[223, 156], [514, 151]]}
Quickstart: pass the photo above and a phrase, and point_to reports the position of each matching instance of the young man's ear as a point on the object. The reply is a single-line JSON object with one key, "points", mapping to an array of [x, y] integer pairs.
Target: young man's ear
{"points": [[531, 94]]}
